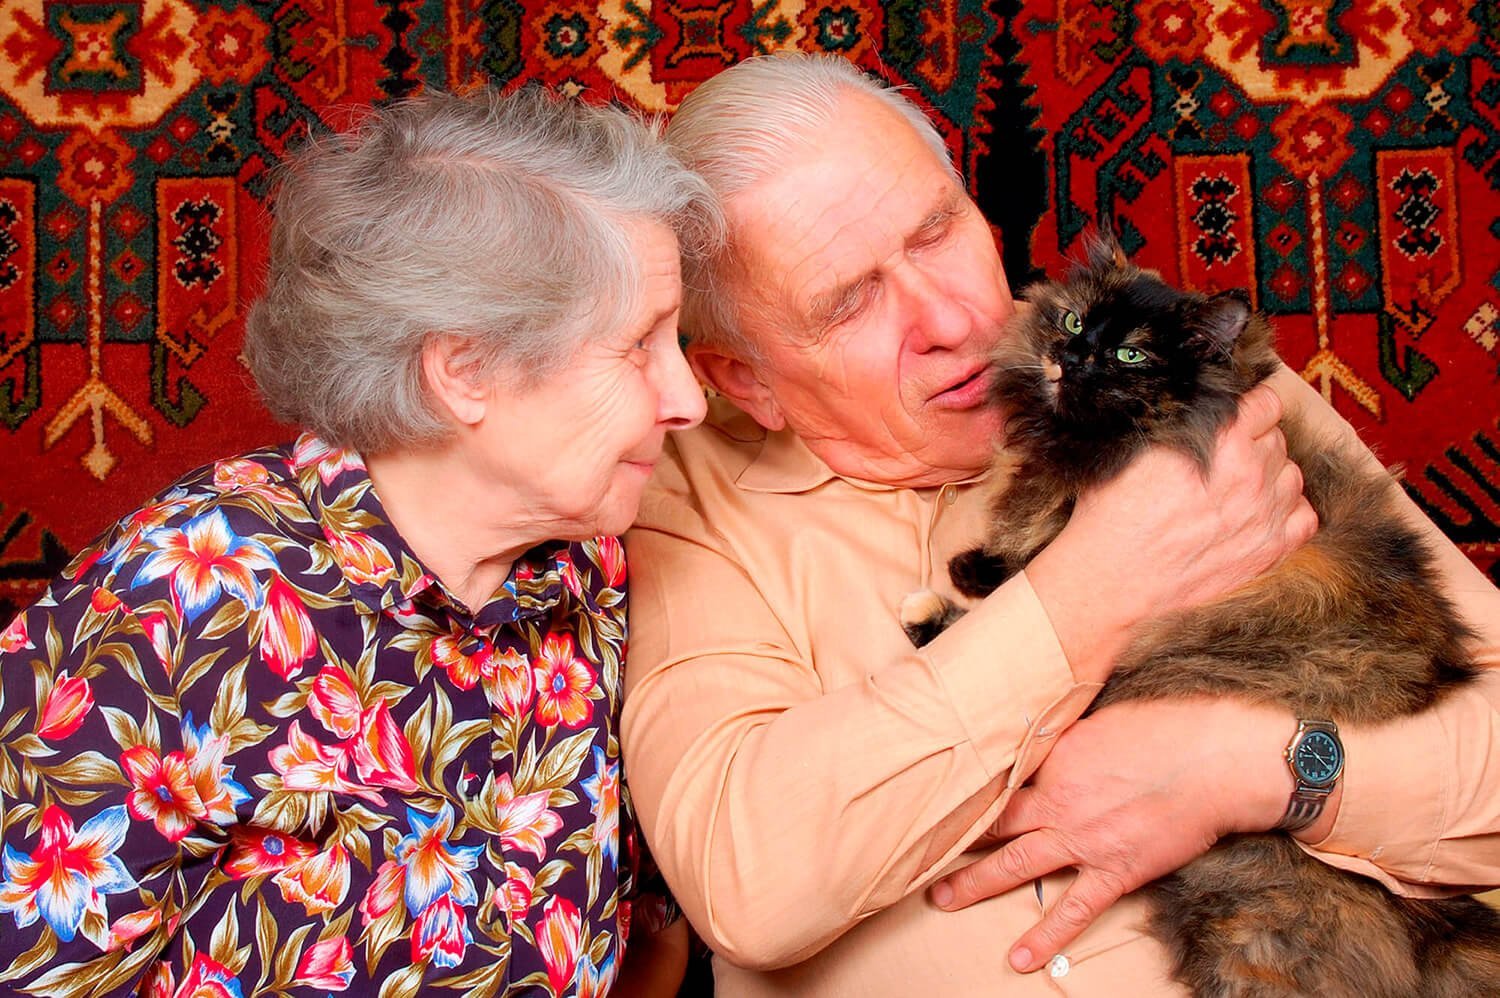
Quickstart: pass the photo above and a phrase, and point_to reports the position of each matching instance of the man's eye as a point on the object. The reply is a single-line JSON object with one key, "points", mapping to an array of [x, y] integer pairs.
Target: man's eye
{"points": [[1072, 324], [1130, 355]]}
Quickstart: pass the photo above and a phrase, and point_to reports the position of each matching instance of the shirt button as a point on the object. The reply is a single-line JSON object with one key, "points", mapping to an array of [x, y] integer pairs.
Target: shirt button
{"points": [[950, 495], [1059, 966]]}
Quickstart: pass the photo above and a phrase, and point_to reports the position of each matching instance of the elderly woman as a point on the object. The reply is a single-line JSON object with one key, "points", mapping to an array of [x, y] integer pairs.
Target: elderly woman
{"points": [[341, 715]]}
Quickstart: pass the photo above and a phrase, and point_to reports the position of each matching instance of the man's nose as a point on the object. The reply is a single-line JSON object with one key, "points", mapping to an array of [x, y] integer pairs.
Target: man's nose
{"points": [[935, 319]]}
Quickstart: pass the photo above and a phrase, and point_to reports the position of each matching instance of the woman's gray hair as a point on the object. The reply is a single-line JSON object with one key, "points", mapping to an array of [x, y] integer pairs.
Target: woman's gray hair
{"points": [[503, 221], [738, 128]]}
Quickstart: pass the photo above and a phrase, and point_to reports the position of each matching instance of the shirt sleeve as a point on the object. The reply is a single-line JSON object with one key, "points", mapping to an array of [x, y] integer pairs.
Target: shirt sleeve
{"points": [[782, 812], [1421, 801], [91, 884]]}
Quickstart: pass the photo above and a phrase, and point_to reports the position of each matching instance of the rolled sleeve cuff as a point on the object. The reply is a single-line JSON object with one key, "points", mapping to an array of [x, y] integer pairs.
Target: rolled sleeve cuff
{"points": [[1008, 680], [1386, 765]]}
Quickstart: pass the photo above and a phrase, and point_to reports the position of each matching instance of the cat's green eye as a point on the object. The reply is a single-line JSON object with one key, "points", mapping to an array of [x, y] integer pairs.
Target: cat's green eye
{"points": [[1130, 355], [1072, 323]]}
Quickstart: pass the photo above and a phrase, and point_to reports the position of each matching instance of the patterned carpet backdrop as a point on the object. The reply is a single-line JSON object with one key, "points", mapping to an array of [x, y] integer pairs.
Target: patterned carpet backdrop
{"points": [[1339, 158]]}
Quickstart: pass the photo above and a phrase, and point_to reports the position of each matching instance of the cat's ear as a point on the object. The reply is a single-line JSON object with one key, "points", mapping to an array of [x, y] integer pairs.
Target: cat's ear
{"points": [[1220, 320], [1104, 252]]}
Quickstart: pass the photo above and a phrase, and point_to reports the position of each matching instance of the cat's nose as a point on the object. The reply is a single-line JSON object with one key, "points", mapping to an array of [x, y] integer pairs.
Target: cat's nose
{"points": [[1052, 370]]}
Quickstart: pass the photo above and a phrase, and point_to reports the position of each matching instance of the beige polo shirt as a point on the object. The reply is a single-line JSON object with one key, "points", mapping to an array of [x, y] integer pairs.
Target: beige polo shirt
{"points": [[802, 772]]}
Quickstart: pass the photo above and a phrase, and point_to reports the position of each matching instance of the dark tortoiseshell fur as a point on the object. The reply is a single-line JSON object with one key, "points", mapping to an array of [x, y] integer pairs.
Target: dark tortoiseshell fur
{"points": [[1351, 627]]}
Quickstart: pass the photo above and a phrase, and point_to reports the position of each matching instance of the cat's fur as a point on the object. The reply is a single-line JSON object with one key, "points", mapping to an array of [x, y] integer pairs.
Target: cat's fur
{"points": [[1350, 627]]}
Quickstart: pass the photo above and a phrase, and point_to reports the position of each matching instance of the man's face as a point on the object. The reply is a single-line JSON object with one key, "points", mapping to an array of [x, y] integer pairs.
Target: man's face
{"points": [[873, 285]]}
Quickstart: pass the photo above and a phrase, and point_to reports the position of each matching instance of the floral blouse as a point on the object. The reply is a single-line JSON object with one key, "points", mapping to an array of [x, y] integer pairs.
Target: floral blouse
{"points": [[248, 745]]}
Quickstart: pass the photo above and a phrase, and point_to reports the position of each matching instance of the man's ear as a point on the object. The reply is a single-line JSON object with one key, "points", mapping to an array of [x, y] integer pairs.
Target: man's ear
{"points": [[738, 382], [451, 379]]}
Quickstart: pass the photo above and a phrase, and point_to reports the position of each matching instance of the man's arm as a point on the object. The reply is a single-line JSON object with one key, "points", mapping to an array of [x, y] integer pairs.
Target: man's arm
{"points": [[1419, 804], [783, 812]]}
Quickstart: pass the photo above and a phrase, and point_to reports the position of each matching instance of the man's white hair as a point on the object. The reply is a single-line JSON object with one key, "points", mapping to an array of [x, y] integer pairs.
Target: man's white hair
{"points": [[740, 127]]}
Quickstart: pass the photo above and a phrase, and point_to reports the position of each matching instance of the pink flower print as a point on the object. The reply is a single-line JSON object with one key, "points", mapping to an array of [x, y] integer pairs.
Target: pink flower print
{"points": [[440, 933], [255, 852], [67, 705], [309, 452], [287, 637], [558, 937], [612, 561], [208, 979], [525, 821], [327, 965], [14, 638], [382, 755]]}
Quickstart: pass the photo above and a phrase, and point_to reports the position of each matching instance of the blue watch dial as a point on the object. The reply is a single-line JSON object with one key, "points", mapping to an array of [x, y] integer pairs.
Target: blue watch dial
{"points": [[1318, 758]]}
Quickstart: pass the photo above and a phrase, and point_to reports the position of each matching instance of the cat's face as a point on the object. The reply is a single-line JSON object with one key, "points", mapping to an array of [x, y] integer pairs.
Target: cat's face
{"points": [[1114, 349]]}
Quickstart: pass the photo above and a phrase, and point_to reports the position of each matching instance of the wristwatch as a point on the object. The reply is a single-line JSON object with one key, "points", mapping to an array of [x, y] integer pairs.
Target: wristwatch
{"points": [[1316, 758]]}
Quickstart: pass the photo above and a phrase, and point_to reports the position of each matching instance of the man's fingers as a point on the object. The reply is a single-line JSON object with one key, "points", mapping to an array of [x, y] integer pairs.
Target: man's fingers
{"points": [[1260, 410], [1084, 900], [1019, 816], [1013, 864]]}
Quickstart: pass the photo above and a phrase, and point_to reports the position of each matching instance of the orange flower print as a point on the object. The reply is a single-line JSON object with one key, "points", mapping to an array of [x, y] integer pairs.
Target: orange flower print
{"points": [[361, 558], [385, 892], [558, 938], [513, 685], [306, 764], [66, 707], [563, 684], [128, 928], [334, 702], [465, 658], [159, 634], [318, 883], [569, 573], [287, 638], [327, 965], [204, 560], [164, 793]]}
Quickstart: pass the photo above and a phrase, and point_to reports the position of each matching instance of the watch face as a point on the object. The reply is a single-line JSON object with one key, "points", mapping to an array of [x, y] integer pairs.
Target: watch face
{"points": [[1318, 758]]}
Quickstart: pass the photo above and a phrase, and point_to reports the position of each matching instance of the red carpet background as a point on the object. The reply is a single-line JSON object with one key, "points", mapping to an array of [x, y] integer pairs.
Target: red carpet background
{"points": [[1340, 158]]}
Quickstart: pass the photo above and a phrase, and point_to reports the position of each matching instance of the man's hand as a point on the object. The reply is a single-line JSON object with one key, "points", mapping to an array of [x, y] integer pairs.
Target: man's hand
{"points": [[1161, 536], [1128, 795]]}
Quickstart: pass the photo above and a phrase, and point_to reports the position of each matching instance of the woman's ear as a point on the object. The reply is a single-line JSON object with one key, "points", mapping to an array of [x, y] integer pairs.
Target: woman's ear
{"points": [[737, 381], [451, 379]]}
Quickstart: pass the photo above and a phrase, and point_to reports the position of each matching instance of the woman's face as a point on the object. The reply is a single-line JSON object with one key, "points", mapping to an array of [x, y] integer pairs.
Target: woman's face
{"points": [[579, 446]]}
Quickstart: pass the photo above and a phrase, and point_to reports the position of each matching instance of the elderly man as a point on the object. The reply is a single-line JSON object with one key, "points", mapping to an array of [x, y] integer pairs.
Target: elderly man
{"points": [[801, 771]]}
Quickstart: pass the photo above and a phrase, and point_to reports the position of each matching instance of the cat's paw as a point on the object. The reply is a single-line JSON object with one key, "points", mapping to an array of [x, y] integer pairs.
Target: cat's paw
{"points": [[977, 574], [924, 614]]}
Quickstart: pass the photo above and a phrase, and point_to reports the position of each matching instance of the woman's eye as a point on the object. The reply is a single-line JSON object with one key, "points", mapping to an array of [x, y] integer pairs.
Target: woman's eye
{"points": [[1130, 355], [1072, 323]]}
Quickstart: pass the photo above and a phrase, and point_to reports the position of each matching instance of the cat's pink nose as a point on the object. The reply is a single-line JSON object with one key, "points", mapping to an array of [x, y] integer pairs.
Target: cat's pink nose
{"points": [[1052, 370]]}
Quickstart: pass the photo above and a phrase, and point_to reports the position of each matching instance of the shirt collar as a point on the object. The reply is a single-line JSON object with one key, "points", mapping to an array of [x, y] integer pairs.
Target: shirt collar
{"points": [[382, 572]]}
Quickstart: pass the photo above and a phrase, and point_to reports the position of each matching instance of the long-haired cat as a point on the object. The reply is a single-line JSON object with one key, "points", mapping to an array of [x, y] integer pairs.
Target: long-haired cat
{"points": [[1351, 627]]}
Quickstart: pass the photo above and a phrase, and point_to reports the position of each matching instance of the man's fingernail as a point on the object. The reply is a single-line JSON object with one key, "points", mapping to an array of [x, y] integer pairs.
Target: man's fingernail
{"points": [[1020, 959], [942, 895]]}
